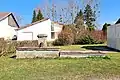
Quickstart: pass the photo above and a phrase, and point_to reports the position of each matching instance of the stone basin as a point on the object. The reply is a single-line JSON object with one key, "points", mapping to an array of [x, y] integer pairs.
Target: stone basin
{"points": [[36, 52], [51, 52], [37, 49], [78, 54]]}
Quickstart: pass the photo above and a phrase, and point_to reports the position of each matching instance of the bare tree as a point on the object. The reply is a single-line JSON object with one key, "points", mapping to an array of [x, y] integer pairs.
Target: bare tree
{"points": [[67, 13], [18, 18], [54, 12], [47, 8]]}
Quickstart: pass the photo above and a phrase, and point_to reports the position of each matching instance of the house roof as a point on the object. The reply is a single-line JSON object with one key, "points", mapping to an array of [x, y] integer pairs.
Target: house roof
{"points": [[58, 23], [61, 25], [28, 25], [4, 15], [118, 22]]}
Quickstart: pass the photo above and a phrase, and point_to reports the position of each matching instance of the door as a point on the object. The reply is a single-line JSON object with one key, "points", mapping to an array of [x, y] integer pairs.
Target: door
{"points": [[25, 36]]}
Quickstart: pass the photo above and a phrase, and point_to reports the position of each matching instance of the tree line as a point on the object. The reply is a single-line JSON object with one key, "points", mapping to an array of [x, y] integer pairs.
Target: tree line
{"points": [[37, 16], [81, 13]]}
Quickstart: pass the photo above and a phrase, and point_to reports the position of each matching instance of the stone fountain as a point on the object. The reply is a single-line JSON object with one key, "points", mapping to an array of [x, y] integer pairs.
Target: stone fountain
{"points": [[38, 52], [42, 51], [42, 40]]}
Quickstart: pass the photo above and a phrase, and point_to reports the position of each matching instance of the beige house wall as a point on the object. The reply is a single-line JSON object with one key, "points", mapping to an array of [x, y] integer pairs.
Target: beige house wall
{"points": [[113, 36]]}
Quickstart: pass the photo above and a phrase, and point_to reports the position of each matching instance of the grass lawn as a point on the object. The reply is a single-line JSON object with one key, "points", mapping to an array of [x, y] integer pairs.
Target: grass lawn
{"points": [[61, 69], [78, 47]]}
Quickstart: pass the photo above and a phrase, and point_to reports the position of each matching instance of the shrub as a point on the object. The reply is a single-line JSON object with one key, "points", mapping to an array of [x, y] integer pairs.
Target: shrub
{"points": [[33, 43], [90, 37], [85, 40], [80, 34], [98, 35], [66, 37], [50, 43], [7, 47], [71, 35], [58, 42]]}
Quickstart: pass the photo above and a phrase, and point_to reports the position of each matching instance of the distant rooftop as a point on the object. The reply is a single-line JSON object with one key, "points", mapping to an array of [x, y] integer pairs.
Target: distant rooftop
{"points": [[118, 22]]}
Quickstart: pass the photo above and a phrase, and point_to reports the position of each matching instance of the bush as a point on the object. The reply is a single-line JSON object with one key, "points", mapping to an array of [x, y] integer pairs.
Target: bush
{"points": [[50, 43], [58, 42], [7, 47], [90, 37], [66, 37], [71, 35], [85, 40], [98, 35], [33, 43]]}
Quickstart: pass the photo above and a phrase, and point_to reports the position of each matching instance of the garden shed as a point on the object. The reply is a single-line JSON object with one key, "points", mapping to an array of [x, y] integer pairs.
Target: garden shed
{"points": [[113, 36]]}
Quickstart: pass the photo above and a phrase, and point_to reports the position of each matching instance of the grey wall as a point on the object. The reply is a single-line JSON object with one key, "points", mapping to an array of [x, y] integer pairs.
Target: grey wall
{"points": [[113, 36]]}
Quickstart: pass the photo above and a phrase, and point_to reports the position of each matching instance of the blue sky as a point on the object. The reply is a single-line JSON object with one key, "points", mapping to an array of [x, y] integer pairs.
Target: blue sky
{"points": [[109, 9]]}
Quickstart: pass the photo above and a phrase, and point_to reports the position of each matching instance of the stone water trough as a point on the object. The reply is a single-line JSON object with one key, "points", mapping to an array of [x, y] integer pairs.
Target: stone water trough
{"points": [[25, 52], [42, 51], [79, 54], [37, 52]]}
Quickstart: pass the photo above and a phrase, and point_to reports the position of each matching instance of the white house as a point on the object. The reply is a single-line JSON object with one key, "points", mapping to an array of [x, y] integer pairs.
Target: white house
{"points": [[45, 26], [113, 36], [8, 24]]}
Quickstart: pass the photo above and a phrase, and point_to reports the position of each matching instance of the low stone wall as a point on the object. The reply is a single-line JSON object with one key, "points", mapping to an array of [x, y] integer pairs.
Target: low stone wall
{"points": [[37, 52], [78, 54]]}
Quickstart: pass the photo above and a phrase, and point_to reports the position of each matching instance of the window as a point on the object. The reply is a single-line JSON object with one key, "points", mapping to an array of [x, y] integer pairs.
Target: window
{"points": [[52, 27], [52, 35]]}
